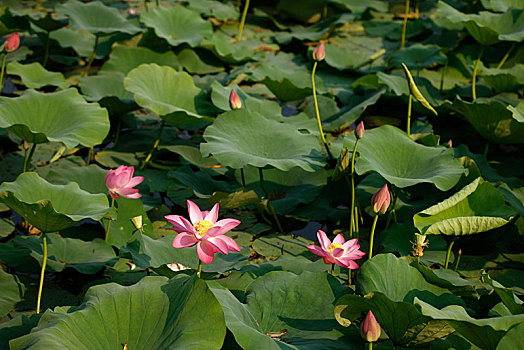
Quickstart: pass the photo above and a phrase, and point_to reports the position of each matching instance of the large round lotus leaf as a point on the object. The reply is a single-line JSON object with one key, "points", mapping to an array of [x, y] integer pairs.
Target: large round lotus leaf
{"points": [[501, 5], [353, 52], [358, 6], [239, 138], [199, 61], [51, 207], [96, 18], [156, 313], [85, 257], [484, 333], [281, 301], [501, 80], [400, 87], [513, 338], [168, 93], [418, 56], [34, 76], [230, 51], [12, 292], [478, 207], [403, 162], [211, 8], [178, 25], [123, 59], [275, 245], [492, 119], [62, 116], [48, 21]]}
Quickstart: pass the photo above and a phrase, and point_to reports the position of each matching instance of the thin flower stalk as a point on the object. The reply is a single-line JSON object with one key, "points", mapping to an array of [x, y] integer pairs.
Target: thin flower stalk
{"points": [[42, 271], [155, 145], [242, 21], [269, 205], [448, 253], [404, 25], [92, 58], [474, 79]]}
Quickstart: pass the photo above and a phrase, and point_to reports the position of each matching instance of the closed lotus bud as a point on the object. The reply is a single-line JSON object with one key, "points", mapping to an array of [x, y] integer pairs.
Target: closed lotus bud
{"points": [[369, 328], [381, 200], [234, 100], [449, 144], [319, 53], [360, 130], [26, 145], [12, 42]]}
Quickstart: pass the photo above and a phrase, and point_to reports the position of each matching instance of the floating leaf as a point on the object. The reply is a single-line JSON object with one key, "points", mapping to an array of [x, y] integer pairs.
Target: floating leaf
{"points": [[124, 59], [354, 52], [275, 245], [209, 8], [63, 116], [418, 56], [34, 76]]}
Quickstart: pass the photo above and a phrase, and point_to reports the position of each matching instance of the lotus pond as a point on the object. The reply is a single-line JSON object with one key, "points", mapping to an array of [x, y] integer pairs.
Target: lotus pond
{"points": [[273, 174]]}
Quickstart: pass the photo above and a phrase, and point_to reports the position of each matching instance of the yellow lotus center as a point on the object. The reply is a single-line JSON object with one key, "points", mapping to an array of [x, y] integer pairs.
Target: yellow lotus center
{"points": [[201, 227], [334, 246]]}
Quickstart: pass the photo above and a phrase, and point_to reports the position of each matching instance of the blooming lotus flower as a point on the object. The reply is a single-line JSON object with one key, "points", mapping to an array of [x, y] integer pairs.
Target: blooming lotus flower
{"points": [[360, 130], [121, 182], [381, 200], [205, 231], [339, 252], [234, 100], [369, 328], [12, 42], [319, 53]]}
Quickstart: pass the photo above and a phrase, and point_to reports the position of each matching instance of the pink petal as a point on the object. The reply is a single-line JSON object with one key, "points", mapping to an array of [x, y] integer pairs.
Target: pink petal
{"points": [[180, 224], [339, 239], [328, 260], [317, 250], [352, 265], [129, 193], [135, 181], [337, 252], [231, 244], [113, 195], [205, 252], [226, 225], [323, 240], [213, 231], [341, 263], [194, 212], [218, 245], [212, 216], [183, 240], [350, 244]]}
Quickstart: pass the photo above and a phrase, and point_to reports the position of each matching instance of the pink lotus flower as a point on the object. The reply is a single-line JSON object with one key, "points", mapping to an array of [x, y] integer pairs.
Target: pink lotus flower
{"points": [[121, 182], [360, 130], [381, 200], [338, 252], [234, 100], [12, 42], [205, 231], [319, 53], [369, 328]]}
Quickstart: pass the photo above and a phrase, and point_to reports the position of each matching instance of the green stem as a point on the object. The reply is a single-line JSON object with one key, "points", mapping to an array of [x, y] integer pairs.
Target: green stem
{"points": [[199, 272], [449, 252], [157, 3], [370, 346], [409, 114], [46, 54], [442, 75], [269, 205], [2, 73], [372, 236], [392, 210], [40, 286], [474, 80], [90, 155], [110, 221], [242, 175], [27, 158], [349, 277], [37, 5], [91, 59], [352, 208], [506, 56], [404, 25], [316, 110], [242, 21], [332, 269], [155, 145], [486, 150]]}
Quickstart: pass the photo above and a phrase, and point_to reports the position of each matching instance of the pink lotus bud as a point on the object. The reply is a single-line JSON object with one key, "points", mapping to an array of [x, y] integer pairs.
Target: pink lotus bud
{"points": [[26, 145], [131, 12], [449, 144], [369, 328], [234, 100], [12, 42], [120, 182], [360, 130], [320, 53], [381, 200]]}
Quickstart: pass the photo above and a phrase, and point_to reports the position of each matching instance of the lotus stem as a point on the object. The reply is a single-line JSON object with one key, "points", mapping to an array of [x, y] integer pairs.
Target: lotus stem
{"points": [[392, 211], [370, 346], [117, 133], [404, 25], [145, 5], [27, 158], [352, 226], [372, 236], [332, 269], [110, 221], [409, 114], [243, 177], [269, 205], [90, 155], [157, 3], [37, 4], [506, 56], [317, 112], [349, 277], [2, 73], [458, 260], [40, 286], [199, 272], [442, 76], [486, 150], [449, 252], [474, 80], [46, 54], [91, 59], [242, 21], [155, 145]]}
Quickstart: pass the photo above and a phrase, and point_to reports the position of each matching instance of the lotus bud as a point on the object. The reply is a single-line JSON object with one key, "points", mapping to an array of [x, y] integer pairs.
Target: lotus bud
{"points": [[319, 53], [234, 100], [131, 12], [449, 144], [26, 145], [137, 221], [381, 200], [369, 328], [360, 130], [12, 42]]}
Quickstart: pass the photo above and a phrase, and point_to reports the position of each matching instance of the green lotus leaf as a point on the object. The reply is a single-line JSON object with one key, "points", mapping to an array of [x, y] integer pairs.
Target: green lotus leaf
{"points": [[403, 162], [276, 245], [6, 227], [209, 8], [199, 61], [240, 137], [510, 79], [501, 5], [518, 111], [85, 257], [220, 97], [155, 313], [506, 295], [231, 51], [354, 52], [96, 18], [281, 300], [492, 119], [513, 338], [358, 6], [34, 76], [478, 207], [418, 56], [484, 333], [108, 90], [62, 116], [17, 327], [178, 25], [48, 21], [170, 94], [12, 292], [51, 207], [124, 59]]}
